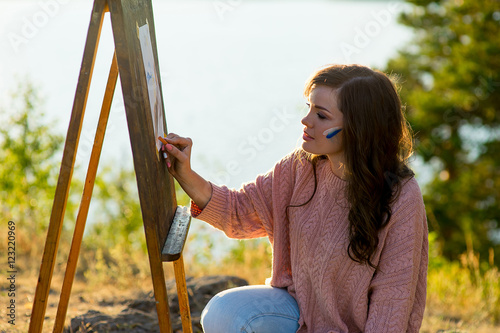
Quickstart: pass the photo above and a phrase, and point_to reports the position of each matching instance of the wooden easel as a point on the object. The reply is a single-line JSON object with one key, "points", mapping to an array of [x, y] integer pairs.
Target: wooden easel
{"points": [[165, 224]]}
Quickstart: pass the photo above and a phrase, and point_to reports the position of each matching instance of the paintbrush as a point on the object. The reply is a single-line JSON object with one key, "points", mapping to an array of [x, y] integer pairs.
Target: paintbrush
{"points": [[165, 143]]}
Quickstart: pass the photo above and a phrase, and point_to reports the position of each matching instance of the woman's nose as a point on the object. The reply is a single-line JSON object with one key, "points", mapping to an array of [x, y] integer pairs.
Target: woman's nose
{"points": [[305, 121]]}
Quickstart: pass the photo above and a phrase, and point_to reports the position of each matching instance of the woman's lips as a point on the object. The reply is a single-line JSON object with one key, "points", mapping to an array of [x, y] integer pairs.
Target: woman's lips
{"points": [[307, 137]]}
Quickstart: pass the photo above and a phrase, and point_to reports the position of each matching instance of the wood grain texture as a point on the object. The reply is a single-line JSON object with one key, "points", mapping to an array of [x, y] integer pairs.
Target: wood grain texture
{"points": [[155, 184], [66, 171], [81, 218], [182, 294]]}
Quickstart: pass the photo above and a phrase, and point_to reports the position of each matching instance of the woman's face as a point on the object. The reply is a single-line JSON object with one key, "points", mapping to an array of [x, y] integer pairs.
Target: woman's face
{"points": [[323, 115]]}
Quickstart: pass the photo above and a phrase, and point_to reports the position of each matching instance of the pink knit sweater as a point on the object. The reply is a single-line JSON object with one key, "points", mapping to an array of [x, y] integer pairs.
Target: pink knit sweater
{"points": [[334, 293]]}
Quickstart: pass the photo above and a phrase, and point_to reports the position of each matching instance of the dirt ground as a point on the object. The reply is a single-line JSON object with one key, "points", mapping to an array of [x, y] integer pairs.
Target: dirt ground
{"points": [[112, 309], [109, 309]]}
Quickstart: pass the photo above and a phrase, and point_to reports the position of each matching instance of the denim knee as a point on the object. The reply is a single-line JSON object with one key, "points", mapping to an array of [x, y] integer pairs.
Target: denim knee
{"points": [[258, 309], [216, 319]]}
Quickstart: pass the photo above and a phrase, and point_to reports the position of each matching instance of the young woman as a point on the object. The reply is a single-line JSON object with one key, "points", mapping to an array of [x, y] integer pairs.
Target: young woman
{"points": [[344, 215]]}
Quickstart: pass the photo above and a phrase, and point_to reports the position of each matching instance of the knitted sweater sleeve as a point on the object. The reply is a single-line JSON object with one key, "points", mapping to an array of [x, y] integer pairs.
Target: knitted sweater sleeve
{"points": [[249, 211], [398, 288]]}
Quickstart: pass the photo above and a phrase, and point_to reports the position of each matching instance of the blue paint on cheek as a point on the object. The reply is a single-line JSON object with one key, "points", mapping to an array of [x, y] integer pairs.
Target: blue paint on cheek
{"points": [[333, 133]]}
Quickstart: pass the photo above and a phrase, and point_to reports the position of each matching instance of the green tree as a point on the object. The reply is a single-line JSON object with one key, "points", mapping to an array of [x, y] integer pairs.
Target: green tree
{"points": [[30, 157], [115, 245], [118, 218], [451, 80], [30, 154]]}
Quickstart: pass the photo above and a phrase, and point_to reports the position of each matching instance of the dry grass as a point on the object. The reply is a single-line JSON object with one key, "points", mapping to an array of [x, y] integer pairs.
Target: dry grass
{"points": [[462, 296]]}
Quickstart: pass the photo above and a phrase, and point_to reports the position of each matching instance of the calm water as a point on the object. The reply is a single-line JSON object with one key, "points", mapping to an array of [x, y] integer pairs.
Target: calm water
{"points": [[232, 71]]}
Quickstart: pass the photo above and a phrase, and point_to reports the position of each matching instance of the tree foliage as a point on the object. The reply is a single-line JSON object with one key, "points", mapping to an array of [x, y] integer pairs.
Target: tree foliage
{"points": [[118, 218], [27, 175], [451, 75], [28, 148], [30, 156]]}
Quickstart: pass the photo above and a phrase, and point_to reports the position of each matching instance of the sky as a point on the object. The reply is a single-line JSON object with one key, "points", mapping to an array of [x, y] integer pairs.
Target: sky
{"points": [[232, 71]]}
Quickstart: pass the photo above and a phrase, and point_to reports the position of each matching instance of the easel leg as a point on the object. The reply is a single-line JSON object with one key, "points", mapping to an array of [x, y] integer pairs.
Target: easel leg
{"points": [[182, 294], [86, 196], [159, 286], [66, 172]]}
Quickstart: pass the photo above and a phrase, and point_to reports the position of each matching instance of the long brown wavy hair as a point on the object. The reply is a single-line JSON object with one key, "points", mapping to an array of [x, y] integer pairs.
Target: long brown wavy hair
{"points": [[377, 144]]}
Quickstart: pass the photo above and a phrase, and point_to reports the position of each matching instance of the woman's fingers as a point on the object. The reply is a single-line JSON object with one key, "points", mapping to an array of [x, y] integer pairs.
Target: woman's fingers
{"points": [[178, 150], [179, 141], [179, 154]]}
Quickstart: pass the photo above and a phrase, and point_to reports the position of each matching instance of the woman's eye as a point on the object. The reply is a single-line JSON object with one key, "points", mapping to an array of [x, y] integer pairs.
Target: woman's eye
{"points": [[320, 116]]}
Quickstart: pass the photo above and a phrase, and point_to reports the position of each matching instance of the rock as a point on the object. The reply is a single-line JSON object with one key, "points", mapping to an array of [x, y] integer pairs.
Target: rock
{"points": [[139, 314]]}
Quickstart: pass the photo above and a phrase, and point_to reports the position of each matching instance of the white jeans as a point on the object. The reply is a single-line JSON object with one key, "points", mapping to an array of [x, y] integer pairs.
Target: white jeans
{"points": [[251, 309]]}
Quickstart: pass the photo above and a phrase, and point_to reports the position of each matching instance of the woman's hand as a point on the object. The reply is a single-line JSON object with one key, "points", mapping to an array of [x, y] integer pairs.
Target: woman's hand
{"points": [[178, 161]]}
